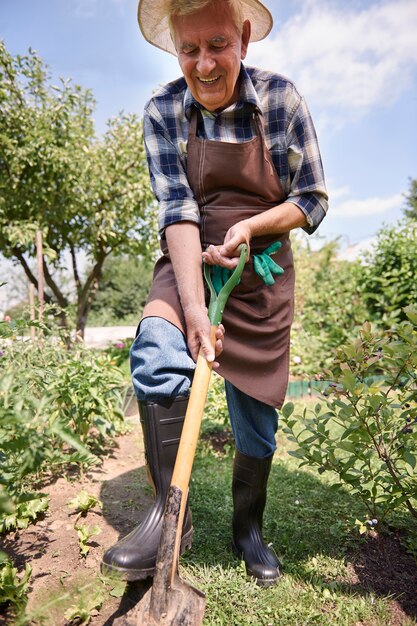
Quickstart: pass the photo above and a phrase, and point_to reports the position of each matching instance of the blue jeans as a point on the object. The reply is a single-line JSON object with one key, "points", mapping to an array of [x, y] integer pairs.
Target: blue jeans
{"points": [[162, 367]]}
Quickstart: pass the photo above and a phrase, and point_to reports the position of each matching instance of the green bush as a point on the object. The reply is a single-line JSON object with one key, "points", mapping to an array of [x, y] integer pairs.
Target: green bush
{"points": [[388, 281], [123, 291], [366, 432], [328, 307], [59, 406]]}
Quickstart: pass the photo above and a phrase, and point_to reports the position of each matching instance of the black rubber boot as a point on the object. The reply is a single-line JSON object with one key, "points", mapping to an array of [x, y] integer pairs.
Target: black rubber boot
{"points": [[134, 556], [250, 479]]}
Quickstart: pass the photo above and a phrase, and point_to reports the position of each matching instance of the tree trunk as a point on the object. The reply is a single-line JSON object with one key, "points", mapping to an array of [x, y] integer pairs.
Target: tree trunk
{"points": [[87, 294]]}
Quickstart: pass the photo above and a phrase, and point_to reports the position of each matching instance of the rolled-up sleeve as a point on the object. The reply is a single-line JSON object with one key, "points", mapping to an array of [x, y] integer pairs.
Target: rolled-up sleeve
{"points": [[307, 185], [167, 172]]}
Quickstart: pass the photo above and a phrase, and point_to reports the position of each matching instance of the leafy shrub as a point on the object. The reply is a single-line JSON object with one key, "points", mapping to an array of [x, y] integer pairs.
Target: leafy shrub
{"points": [[328, 306], [388, 281], [123, 291], [119, 351], [58, 406], [366, 433]]}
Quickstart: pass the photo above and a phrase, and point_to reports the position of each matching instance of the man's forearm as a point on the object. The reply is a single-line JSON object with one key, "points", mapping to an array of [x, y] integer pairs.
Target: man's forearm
{"points": [[279, 219], [183, 239]]}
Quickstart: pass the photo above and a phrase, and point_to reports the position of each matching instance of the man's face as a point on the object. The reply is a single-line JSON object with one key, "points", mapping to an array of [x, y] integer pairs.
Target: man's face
{"points": [[209, 51]]}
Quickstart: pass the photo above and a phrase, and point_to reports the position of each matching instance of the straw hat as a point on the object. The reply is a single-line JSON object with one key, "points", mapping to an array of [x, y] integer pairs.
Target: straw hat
{"points": [[153, 22]]}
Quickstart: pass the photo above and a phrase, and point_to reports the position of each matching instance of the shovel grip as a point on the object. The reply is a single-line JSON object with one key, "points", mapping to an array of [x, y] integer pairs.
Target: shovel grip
{"points": [[189, 438], [192, 421]]}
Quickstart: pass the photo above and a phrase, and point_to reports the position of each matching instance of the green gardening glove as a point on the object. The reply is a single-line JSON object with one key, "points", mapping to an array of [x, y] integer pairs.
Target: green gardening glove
{"points": [[220, 276], [265, 267]]}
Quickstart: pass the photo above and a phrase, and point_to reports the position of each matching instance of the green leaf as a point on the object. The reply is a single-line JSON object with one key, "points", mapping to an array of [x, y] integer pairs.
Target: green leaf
{"points": [[298, 454], [347, 445], [348, 380], [287, 410], [410, 462]]}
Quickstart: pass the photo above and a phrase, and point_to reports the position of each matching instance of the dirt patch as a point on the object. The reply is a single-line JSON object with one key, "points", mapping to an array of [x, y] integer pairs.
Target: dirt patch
{"points": [[382, 565], [218, 440]]}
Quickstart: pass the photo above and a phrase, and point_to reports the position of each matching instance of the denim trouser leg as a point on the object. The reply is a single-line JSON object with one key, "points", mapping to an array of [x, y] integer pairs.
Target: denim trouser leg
{"points": [[160, 361], [253, 423], [162, 368]]}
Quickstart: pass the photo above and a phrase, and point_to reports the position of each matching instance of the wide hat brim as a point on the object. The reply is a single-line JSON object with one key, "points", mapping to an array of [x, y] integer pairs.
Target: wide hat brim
{"points": [[153, 22]]}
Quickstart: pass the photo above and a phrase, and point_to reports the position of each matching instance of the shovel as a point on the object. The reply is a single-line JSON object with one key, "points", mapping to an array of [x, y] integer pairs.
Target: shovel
{"points": [[171, 601]]}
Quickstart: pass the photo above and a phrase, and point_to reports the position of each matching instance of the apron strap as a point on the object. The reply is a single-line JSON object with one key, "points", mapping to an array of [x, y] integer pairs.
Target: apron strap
{"points": [[192, 129]]}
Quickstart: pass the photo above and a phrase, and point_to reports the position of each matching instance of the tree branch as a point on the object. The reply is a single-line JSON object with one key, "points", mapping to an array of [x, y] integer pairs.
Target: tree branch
{"points": [[75, 268], [32, 278], [60, 298]]}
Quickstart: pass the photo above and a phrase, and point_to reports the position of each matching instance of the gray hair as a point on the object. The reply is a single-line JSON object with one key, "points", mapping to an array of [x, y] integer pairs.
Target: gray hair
{"points": [[176, 8]]}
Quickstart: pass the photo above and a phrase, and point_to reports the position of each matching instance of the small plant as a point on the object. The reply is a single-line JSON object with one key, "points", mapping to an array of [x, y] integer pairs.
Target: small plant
{"points": [[85, 533], [367, 432], [13, 588], [87, 605], [119, 351], [84, 502]]}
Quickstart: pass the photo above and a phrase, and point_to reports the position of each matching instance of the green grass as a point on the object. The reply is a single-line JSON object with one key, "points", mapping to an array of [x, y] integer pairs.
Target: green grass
{"points": [[310, 527]]}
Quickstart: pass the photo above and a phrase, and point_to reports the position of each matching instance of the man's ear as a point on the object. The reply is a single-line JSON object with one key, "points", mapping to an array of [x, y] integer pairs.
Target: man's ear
{"points": [[246, 31]]}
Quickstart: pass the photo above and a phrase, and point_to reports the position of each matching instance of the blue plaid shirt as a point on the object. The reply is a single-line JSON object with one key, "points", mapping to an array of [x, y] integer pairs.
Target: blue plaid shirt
{"points": [[289, 135]]}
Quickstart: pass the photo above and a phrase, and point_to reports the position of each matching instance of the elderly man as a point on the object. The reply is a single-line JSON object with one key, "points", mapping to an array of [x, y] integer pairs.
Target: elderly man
{"points": [[233, 158]]}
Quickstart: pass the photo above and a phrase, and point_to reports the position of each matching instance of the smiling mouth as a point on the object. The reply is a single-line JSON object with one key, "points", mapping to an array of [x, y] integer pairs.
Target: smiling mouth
{"points": [[208, 81]]}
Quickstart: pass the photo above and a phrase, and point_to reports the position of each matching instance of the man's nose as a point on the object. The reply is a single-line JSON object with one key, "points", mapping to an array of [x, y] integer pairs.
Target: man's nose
{"points": [[205, 63]]}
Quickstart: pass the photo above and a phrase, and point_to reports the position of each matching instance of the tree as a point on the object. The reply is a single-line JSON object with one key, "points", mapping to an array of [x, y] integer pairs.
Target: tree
{"points": [[411, 212], [86, 194]]}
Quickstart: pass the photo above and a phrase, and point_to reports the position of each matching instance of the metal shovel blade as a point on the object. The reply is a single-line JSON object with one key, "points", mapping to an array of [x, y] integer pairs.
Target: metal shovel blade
{"points": [[171, 601], [184, 606]]}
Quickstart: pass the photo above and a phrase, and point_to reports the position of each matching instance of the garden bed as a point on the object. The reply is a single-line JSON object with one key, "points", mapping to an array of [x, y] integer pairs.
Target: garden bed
{"points": [[329, 577]]}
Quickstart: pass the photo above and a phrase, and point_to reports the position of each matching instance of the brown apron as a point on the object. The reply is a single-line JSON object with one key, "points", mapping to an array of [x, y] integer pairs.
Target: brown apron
{"points": [[232, 182]]}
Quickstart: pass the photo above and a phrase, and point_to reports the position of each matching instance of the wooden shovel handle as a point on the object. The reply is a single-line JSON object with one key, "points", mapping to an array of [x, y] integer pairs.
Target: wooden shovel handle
{"points": [[192, 421], [189, 436]]}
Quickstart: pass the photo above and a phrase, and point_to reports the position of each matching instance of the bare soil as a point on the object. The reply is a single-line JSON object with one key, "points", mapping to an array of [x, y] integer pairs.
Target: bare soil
{"points": [[380, 564]]}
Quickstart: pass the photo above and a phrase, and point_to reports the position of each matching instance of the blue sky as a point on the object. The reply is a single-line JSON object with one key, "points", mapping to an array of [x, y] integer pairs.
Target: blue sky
{"points": [[355, 62]]}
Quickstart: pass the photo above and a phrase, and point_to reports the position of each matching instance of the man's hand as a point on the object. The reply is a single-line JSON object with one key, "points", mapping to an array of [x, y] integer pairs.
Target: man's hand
{"points": [[228, 254], [280, 219], [198, 334]]}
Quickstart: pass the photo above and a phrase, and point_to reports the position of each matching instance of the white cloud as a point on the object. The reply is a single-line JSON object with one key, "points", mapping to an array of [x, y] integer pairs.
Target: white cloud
{"points": [[344, 58], [338, 192], [90, 8], [85, 8], [369, 206]]}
